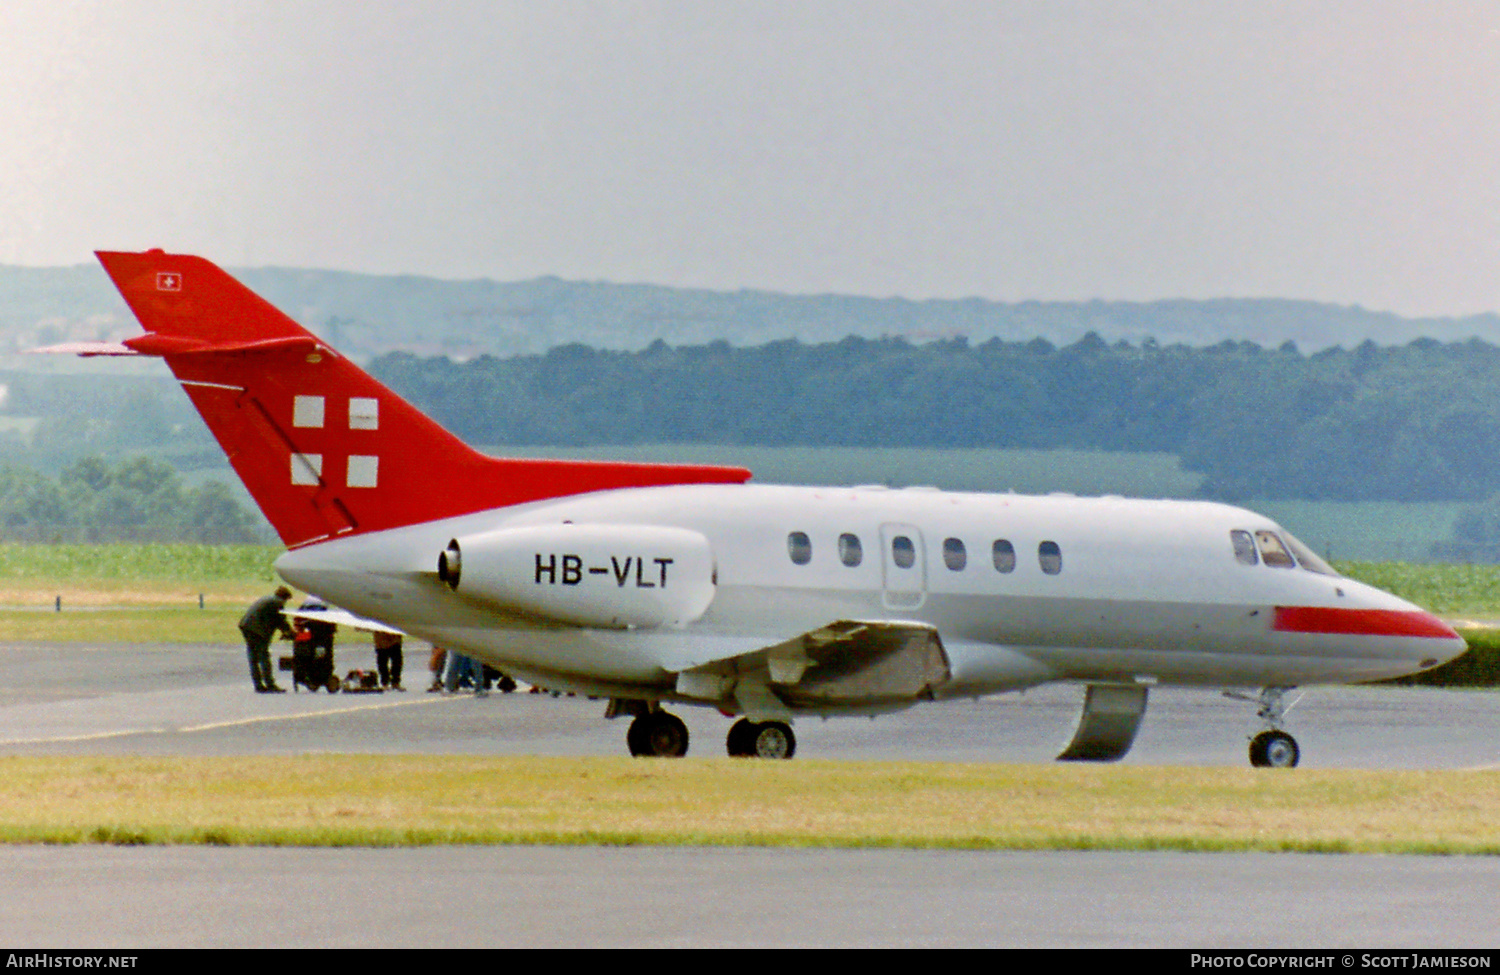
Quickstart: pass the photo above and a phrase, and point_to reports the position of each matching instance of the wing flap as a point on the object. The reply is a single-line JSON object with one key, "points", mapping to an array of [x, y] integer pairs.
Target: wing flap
{"points": [[847, 665]]}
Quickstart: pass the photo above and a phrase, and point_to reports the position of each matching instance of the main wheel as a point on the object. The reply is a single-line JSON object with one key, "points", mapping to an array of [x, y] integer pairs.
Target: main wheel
{"points": [[1274, 749], [657, 734], [774, 739], [741, 739]]}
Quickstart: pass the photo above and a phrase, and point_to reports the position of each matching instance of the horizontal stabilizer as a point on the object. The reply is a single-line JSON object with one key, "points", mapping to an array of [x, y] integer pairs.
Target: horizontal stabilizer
{"points": [[165, 345], [84, 349]]}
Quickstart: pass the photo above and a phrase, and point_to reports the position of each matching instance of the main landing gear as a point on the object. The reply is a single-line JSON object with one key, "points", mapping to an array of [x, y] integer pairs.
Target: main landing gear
{"points": [[763, 739], [655, 733], [1272, 748]]}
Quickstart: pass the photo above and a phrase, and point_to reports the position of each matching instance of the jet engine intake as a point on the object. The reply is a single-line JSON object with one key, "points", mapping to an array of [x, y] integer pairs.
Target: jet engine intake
{"points": [[617, 576]]}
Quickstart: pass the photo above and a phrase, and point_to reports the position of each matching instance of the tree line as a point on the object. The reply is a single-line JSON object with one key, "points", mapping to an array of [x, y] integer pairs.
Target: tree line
{"points": [[137, 500], [1417, 422]]}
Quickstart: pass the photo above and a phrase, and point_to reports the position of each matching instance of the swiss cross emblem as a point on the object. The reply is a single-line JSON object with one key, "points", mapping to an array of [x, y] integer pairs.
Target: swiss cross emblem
{"points": [[168, 281]]}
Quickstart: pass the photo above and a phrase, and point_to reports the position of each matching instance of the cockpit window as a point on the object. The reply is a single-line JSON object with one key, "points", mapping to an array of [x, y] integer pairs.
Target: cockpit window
{"points": [[1308, 559], [1244, 547], [1272, 552]]}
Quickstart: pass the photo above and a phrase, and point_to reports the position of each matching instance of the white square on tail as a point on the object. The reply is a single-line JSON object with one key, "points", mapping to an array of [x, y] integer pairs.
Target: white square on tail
{"points": [[364, 413], [362, 470], [307, 411], [307, 468]]}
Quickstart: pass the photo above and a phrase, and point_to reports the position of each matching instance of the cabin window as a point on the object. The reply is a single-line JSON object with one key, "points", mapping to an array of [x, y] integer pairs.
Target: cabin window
{"points": [[903, 552], [1272, 552], [799, 547], [1004, 554], [1050, 556], [1244, 547], [955, 556], [851, 553]]}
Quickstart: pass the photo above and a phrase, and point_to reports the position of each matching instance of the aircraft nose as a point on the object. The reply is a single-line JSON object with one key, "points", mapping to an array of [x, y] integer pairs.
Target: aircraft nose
{"points": [[1445, 647], [1408, 633], [1436, 642]]}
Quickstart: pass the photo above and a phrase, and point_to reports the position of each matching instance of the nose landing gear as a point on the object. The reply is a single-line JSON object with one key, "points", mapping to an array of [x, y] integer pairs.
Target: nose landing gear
{"points": [[1272, 748]]}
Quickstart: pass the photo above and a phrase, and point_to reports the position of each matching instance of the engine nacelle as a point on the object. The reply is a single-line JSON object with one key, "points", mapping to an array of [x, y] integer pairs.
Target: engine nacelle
{"points": [[587, 575]]}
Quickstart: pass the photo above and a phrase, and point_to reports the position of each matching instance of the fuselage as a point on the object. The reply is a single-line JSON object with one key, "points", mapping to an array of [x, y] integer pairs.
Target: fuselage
{"points": [[1021, 589]]}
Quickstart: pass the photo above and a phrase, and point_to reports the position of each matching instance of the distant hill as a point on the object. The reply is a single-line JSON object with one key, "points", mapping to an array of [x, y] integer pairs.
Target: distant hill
{"points": [[368, 315]]}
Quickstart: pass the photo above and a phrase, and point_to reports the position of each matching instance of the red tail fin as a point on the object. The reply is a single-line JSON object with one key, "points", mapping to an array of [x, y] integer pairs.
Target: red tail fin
{"points": [[325, 449]]}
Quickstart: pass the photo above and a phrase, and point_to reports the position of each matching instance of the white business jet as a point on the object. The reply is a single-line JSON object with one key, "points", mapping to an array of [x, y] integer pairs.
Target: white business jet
{"points": [[677, 584]]}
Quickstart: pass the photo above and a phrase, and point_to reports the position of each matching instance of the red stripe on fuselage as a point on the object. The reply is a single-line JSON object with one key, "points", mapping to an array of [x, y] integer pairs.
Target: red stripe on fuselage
{"points": [[1365, 622]]}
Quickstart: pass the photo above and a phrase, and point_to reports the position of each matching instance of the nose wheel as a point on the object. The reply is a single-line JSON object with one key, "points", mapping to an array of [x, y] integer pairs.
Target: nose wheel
{"points": [[1272, 748]]}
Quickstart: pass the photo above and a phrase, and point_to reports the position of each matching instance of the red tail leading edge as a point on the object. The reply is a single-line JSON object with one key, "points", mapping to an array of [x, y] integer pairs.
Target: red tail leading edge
{"points": [[323, 447]]}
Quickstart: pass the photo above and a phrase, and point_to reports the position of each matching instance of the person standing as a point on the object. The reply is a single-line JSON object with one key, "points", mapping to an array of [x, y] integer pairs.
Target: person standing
{"points": [[259, 626], [388, 659]]}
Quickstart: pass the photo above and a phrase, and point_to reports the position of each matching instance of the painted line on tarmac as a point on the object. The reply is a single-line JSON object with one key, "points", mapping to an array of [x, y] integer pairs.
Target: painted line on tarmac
{"points": [[259, 719], [235, 722]]}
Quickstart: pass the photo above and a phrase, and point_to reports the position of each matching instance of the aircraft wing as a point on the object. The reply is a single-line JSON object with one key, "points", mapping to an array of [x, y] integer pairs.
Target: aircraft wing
{"points": [[859, 666], [340, 617]]}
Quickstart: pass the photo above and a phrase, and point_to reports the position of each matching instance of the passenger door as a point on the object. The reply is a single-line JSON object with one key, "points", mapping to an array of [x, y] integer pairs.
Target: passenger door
{"points": [[903, 566]]}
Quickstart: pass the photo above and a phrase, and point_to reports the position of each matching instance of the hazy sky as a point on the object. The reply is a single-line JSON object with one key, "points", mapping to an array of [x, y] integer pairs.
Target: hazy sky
{"points": [[1344, 152]]}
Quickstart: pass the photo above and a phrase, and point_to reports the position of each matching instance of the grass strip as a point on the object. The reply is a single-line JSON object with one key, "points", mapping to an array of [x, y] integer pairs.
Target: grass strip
{"points": [[1447, 590], [131, 563], [381, 801], [216, 624]]}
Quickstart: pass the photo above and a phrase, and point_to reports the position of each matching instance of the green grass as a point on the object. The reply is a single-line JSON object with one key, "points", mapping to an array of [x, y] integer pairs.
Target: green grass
{"points": [[1448, 590], [133, 576], [131, 593], [218, 622], [366, 800], [133, 564]]}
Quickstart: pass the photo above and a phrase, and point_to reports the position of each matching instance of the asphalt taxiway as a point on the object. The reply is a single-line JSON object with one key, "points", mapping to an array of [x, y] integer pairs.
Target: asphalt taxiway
{"points": [[166, 699]]}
